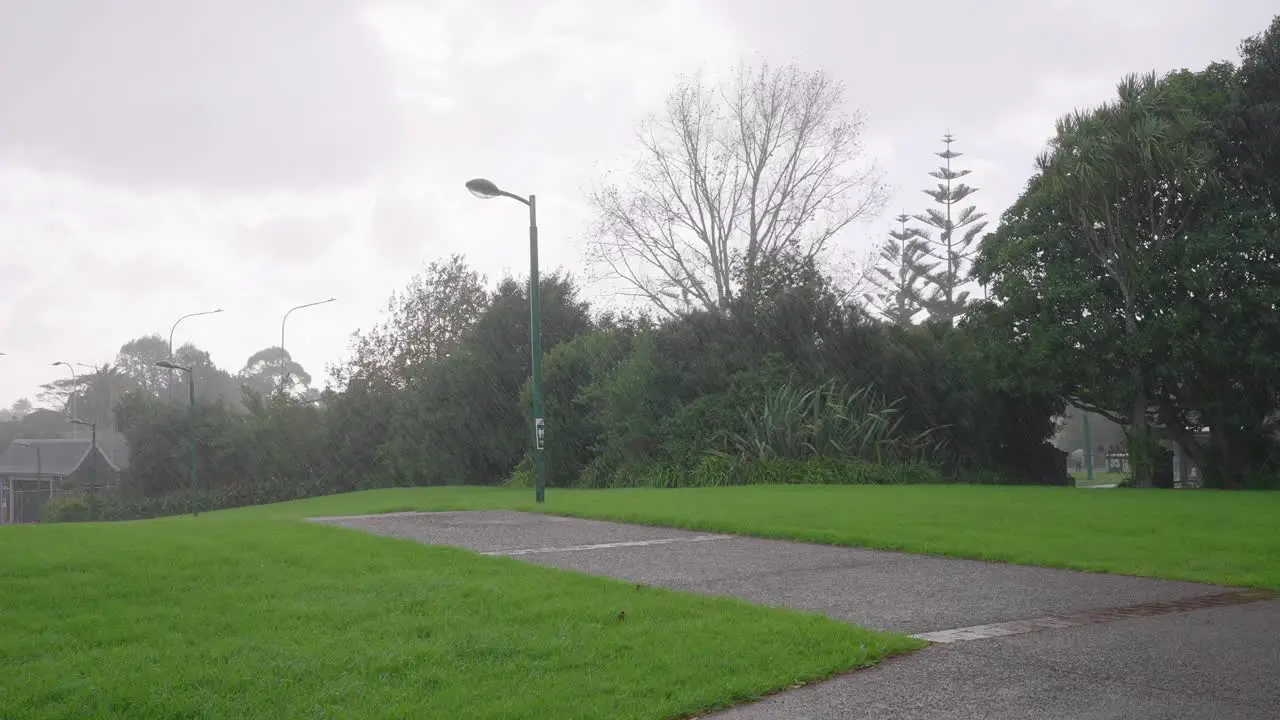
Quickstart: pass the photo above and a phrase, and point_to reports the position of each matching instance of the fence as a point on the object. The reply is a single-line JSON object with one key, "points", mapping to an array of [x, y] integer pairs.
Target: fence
{"points": [[22, 500]]}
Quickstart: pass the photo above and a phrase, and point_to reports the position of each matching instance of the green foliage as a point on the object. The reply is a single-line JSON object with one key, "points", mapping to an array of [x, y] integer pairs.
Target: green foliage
{"points": [[462, 421], [790, 377], [901, 267], [569, 372], [71, 509], [950, 253], [1163, 316], [829, 421], [720, 470]]}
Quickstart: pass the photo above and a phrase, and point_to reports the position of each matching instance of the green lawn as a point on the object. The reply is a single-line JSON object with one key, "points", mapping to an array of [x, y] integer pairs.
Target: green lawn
{"points": [[251, 615], [1211, 536], [1099, 478]]}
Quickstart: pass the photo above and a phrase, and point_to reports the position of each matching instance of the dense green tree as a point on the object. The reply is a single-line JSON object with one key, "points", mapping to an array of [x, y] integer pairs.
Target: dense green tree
{"points": [[1127, 178], [267, 370], [462, 421], [21, 407], [137, 361], [1137, 276], [424, 323]]}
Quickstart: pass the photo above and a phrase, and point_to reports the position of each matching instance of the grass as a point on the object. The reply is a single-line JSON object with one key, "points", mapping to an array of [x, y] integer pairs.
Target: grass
{"points": [[238, 615], [250, 613], [1230, 538], [1099, 478]]}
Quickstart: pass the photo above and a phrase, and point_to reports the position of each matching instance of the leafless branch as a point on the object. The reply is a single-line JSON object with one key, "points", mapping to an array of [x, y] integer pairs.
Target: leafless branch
{"points": [[733, 178]]}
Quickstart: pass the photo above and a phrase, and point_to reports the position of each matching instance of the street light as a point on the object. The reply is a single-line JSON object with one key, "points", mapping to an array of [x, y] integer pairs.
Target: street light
{"points": [[284, 367], [39, 475], [75, 383], [191, 384], [93, 460], [486, 190], [171, 331]]}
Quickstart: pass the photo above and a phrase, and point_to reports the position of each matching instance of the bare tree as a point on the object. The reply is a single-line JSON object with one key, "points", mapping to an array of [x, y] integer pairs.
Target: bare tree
{"points": [[734, 177]]}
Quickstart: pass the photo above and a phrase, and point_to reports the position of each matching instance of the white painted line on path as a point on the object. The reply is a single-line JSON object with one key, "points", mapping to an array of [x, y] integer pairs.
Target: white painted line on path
{"points": [[604, 546]]}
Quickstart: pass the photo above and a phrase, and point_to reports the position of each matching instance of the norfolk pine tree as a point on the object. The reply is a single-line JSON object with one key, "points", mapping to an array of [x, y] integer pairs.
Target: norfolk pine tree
{"points": [[952, 252], [898, 277]]}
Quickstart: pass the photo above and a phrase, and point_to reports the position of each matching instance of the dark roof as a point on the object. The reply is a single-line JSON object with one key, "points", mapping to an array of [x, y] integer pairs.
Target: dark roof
{"points": [[57, 457]]}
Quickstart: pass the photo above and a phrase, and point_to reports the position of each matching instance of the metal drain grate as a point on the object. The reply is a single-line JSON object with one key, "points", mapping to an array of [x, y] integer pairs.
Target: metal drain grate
{"points": [[1093, 617]]}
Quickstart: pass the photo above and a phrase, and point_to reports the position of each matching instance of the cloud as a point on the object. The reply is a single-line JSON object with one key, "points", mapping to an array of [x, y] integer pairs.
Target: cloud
{"points": [[402, 227], [235, 94], [295, 239]]}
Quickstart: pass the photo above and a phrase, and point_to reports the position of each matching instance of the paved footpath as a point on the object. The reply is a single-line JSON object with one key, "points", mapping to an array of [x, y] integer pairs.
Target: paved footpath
{"points": [[1011, 641]]}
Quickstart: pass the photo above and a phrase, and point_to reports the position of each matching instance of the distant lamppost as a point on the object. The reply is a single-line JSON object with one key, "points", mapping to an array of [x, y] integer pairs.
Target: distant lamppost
{"points": [[191, 384], [39, 475], [486, 189], [284, 365], [93, 461], [75, 383], [171, 331]]}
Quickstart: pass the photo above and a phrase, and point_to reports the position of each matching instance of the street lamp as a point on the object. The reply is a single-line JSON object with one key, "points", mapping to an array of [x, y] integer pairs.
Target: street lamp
{"points": [[171, 331], [75, 383], [284, 367], [39, 475], [191, 384], [486, 190]]}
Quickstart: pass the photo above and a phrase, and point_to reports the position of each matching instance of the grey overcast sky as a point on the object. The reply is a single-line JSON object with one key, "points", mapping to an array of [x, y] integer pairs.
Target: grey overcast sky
{"points": [[161, 157]]}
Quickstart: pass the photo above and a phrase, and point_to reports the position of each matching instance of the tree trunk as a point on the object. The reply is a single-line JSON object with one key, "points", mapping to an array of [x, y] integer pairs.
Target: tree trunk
{"points": [[1185, 439], [1140, 439]]}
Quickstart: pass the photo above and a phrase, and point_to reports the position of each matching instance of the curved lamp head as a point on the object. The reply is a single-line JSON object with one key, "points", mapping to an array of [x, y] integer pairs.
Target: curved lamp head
{"points": [[171, 366], [482, 188]]}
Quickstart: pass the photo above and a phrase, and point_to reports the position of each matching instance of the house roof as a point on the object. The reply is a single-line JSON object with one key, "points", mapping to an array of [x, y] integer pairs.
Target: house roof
{"points": [[57, 457]]}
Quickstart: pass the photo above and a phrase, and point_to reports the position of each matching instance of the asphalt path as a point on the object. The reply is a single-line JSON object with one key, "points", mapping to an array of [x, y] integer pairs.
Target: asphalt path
{"points": [[1011, 641]]}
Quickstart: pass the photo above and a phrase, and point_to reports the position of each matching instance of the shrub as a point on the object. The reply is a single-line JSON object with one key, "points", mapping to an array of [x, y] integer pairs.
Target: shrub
{"points": [[829, 421], [71, 509], [723, 470]]}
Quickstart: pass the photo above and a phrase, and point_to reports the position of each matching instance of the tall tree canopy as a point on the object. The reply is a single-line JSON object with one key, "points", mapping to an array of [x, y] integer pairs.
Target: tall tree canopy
{"points": [[424, 323], [734, 178], [899, 275], [1138, 273], [950, 252]]}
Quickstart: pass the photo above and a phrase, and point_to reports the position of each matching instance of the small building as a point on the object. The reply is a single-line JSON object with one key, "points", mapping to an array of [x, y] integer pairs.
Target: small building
{"points": [[34, 471]]}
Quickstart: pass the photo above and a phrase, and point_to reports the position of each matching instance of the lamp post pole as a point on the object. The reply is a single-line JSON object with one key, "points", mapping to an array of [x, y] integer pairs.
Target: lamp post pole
{"points": [[485, 189], [171, 331], [191, 387], [284, 358]]}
